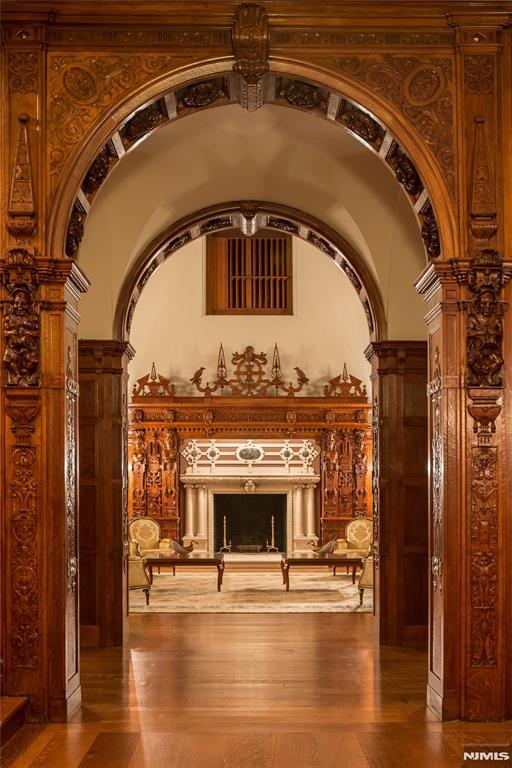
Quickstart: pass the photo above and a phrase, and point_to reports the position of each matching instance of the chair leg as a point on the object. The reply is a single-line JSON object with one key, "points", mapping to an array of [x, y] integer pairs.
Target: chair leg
{"points": [[334, 571], [147, 596], [361, 596], [173, 571]]}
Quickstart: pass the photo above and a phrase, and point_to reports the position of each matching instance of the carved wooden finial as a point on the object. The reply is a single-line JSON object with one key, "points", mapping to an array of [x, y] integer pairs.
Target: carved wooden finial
{"points": [[21, 211], [251, 48]]}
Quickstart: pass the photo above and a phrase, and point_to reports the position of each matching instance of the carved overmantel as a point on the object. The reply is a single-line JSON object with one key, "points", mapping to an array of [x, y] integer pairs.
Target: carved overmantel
{"points": [[161, 422]]}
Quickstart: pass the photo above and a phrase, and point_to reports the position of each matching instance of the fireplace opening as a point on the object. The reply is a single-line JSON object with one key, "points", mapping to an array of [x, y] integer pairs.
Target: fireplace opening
{"points": [[248, 521]]}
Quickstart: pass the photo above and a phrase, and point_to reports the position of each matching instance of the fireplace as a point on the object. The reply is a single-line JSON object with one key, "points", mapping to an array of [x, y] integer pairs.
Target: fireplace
{"points": [[249, 521]]}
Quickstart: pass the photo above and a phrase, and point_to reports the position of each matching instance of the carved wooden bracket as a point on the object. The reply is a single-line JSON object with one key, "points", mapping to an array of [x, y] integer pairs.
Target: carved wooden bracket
{"points": [[250, 36], [22, 408]]}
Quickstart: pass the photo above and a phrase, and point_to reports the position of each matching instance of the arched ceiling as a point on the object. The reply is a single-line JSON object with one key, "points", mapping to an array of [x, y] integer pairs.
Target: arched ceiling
{"points": [[274, 154]]}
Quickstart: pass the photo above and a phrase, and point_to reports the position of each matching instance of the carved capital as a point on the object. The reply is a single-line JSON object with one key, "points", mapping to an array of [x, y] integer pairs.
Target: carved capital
{"points": [[22, 408]]}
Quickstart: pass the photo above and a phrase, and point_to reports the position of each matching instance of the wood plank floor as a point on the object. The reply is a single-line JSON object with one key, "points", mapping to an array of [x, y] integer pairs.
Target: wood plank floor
{"points": [[251, 691]]}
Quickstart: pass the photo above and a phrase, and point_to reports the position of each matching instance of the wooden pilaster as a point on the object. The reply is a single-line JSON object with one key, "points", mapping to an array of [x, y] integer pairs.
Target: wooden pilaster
{"points": [[400, 489], [103, 491]]}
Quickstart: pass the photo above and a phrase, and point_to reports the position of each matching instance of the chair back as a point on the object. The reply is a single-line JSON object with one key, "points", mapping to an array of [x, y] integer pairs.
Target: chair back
{"points": [[145, 531], [359, 533]]}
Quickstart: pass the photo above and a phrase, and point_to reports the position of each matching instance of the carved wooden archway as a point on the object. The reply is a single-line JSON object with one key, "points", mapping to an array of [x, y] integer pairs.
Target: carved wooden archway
{"points": [[250, 216], [439, 83]]}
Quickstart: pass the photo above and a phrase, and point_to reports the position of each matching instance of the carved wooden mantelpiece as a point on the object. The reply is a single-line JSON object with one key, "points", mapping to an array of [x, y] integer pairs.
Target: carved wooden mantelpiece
{"points": [[160, 423]]}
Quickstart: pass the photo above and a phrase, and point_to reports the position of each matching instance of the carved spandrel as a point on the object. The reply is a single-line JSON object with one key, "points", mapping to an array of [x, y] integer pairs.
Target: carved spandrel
{"points": [[420, 88]]}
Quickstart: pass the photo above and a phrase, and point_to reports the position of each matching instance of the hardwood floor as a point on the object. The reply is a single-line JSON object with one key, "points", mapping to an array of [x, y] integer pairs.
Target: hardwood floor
{"points": [[251, 691]]}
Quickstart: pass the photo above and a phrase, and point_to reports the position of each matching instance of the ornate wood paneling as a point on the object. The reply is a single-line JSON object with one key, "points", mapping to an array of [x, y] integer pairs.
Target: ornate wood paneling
{"points": [[103, 490], [399, 377]]}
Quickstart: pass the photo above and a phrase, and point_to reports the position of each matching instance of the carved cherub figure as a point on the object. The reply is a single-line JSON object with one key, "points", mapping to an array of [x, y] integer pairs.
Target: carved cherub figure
{"points": [[21, 332]]}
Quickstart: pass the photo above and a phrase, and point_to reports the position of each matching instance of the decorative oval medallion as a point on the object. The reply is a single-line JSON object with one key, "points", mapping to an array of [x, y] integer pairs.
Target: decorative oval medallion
{"points": [[79, 84], [424, 85], [249, 453]]}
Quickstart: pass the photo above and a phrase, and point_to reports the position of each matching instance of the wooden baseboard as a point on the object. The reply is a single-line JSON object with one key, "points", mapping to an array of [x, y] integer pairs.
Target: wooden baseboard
{"points": [[12, 716]]}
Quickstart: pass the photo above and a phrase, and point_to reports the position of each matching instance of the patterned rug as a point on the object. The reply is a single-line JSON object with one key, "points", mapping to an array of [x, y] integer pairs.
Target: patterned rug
{"points": [[250, 592]]}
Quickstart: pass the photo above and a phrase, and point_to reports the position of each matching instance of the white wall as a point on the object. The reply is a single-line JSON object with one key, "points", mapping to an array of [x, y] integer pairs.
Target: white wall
{"points": [[328, 326], [275, 154]]}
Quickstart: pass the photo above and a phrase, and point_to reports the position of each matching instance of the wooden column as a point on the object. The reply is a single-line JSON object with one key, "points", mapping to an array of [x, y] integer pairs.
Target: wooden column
{"points": [[103, 491], [399, 378]]}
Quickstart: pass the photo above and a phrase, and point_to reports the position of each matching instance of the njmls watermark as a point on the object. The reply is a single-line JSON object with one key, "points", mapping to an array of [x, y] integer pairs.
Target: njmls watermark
{"points": [[487, 754]]}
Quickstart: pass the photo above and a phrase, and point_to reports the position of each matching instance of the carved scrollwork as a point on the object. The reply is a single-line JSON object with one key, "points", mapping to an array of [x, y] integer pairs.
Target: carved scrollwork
{"points": [[21, 322], [75, 231], [420, 89], [153, 385], [479, 74], [23, 72], [346, 386], [81, 85]]}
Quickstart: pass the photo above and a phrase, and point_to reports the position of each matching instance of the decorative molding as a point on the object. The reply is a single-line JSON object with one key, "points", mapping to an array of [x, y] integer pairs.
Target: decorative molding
{"points": [[320, 37], [21, 327], [162, 36], [21, 210], [153, 385], [405, 172], [23, 72], [435, 392], [430, 233], [376, 481], [420, 88], [479, 74], [98, 172]]}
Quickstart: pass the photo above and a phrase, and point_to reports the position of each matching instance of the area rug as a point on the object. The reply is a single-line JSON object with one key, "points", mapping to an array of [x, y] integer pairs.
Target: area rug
{"points": [[249, 592]]}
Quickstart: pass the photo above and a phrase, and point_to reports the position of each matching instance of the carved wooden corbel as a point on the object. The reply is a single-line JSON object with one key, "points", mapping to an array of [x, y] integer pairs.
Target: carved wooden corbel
{"points": [[21, 221], [250, 36]]}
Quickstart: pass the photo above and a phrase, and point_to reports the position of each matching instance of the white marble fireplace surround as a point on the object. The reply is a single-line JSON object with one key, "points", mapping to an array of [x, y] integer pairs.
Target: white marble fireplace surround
{"points": [[229, 473]]}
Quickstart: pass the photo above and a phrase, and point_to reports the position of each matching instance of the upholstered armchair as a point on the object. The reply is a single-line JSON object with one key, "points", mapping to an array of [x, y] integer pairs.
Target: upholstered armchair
{"points": [[146, 533], [358, 538], [137, 576], [366, 577]]}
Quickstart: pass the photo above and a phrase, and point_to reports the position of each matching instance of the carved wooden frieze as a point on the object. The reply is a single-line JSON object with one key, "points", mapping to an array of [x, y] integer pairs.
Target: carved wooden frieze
{"points": [[405, 172], [81, 85], [430, 233], [71, 474], [435, 393], [21, 328], [311, 37], [420, 88], [21, 211]]}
